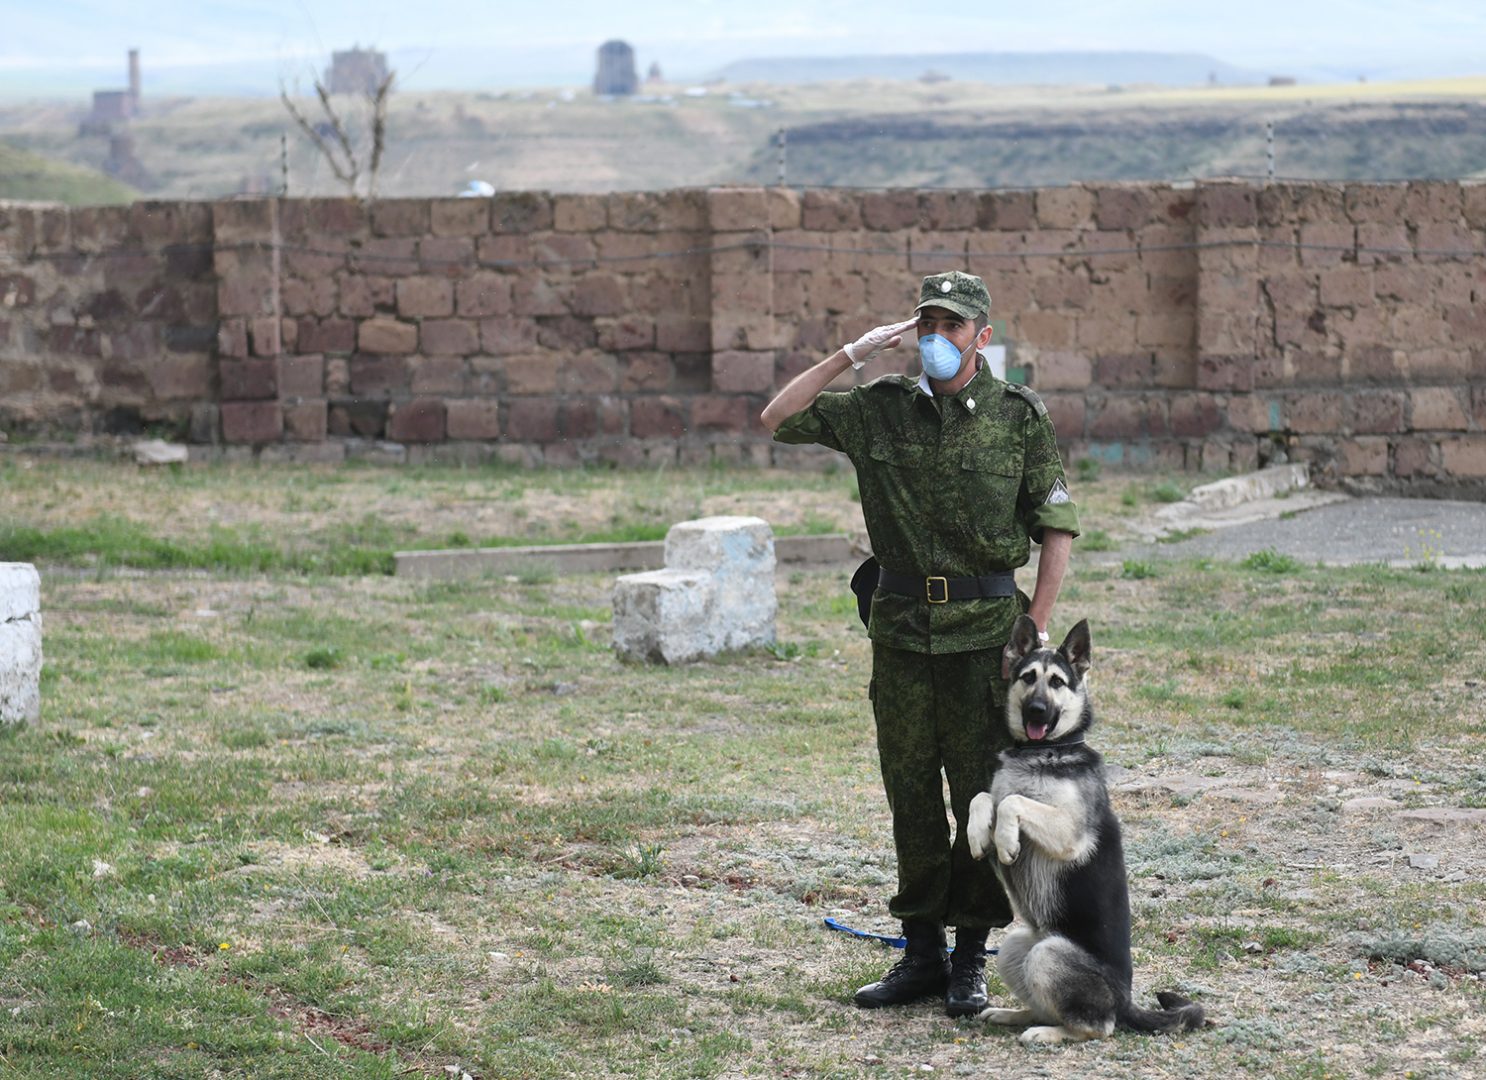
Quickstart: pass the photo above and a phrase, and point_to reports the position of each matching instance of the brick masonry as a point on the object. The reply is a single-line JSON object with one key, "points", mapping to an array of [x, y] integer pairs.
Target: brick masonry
{"points": [[1204, 326]]}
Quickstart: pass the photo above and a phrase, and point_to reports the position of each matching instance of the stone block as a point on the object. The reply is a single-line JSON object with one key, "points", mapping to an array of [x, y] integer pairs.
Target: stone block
{"points": [[399, 217], [484, 293], [1061, 370], [728, 414], [301, 376], [306, 421], [739, 372], [449, 337], [418, 421], [1464, 457], [20, 643], [1376, 412], [1123, 208], [387, 336], [446, 254], [784, 208], [579, 213], [459, 217], [473, 418], [1227, 206], [1195, 415], [1366, 455], [252, 421], [1314, 413], [1064, 207], [1437, 408], [532, 420], [437, 375], [599, 294], [325, 336], [425, 296], [520, 212], [658, 418], [889, 211], [949, 210], [716, 594], [737, 209], [248, 380], [363, 419], [394, 256], [1218, 372], [830, 211], [663, 616], [624, 333], [1006, 211]]}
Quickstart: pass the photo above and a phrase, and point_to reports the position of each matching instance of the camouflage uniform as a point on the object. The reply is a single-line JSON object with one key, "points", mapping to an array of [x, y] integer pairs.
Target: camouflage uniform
{"points": [[955, 486]]}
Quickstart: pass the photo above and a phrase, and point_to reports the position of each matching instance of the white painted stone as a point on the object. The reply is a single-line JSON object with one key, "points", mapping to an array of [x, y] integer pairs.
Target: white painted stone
{"points": [[20, 643], [20, 590], [715, 594], [160, 452], [663, 616], [738, 552]]}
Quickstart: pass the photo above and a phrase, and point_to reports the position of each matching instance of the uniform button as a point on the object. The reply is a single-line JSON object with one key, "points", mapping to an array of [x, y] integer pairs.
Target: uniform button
{"points": [[970, 404]]}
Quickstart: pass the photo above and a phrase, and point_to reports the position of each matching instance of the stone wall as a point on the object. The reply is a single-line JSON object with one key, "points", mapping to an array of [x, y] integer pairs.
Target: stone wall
{"points": [[1205, 326]]}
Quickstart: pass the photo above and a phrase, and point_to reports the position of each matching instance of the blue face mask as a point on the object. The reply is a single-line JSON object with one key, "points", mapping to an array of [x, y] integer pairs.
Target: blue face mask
{"points": [[940, 358]]}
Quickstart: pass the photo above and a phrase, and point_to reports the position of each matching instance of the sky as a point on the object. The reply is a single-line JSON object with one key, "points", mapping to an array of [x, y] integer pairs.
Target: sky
{"points": [[499, 44]]}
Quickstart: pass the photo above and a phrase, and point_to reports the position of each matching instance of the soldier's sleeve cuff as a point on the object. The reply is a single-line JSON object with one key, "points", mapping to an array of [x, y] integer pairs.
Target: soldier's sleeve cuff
{"points": [[1063, 517]]}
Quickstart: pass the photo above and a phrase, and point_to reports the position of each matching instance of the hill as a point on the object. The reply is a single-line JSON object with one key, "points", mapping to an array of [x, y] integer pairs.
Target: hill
{"points": [[1001, 69], [27, 176], [867, 133]]}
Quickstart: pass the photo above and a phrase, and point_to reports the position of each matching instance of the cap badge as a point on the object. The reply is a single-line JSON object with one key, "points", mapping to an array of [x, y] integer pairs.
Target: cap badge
{"points": [[946, 286]]}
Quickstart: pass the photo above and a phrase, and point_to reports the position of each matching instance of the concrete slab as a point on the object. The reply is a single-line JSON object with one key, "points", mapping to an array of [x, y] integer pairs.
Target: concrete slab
{"points": [[1347, 532], [463, 564]]}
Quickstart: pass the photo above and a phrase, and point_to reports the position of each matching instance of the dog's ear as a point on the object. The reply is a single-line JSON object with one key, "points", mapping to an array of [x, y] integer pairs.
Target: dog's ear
{"points": [[1023, 638], [1075, 647]]}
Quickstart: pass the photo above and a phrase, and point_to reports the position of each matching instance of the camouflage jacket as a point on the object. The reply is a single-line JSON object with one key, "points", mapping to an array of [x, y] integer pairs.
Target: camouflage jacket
{"points": [[954, 486]]}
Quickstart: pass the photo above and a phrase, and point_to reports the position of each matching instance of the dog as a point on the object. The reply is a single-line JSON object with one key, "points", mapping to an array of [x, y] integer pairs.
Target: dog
{"points": [[1059, 856]]}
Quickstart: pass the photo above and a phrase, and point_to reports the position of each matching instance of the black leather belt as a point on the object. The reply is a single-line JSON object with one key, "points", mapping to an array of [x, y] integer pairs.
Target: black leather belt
{"points": [[940, 590]]}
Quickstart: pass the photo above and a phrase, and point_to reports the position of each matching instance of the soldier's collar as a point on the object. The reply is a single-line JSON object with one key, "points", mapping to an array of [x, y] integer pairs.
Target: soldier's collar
{"points": [[928, 391]]}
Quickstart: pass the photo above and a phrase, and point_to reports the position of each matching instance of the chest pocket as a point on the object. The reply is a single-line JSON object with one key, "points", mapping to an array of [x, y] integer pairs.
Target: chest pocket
{"points": [[901, 455], [989, 481]]}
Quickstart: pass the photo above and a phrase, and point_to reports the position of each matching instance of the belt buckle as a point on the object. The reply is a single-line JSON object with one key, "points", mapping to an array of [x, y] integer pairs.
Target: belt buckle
{"points": [[929, 589]]}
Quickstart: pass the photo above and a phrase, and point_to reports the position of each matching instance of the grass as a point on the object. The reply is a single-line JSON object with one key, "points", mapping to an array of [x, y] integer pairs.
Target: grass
{"points": [[350, 824], [29, 176]]}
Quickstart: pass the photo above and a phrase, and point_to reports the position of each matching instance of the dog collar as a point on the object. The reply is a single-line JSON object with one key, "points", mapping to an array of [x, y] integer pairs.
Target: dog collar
{"points": [[1024, 748]]}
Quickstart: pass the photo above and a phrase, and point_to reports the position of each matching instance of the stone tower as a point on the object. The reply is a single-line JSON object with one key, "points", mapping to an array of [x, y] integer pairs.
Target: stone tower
{"points": [[616, 73]]}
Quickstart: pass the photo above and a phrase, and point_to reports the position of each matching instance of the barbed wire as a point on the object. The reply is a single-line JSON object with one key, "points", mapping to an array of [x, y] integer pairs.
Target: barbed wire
{"points": [[756, 246]]}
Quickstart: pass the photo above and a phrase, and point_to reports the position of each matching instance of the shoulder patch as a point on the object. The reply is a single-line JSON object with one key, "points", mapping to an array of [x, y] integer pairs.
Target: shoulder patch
{"points": [[1058, 495], [1028, 395]]}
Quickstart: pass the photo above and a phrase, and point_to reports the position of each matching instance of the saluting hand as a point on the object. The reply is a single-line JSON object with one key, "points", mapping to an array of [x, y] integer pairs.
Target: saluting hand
{"points": [[875, 341]]}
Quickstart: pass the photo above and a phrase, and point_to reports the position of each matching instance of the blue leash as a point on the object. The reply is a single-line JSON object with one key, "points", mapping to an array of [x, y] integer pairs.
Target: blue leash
{"points": [[886, 939]]}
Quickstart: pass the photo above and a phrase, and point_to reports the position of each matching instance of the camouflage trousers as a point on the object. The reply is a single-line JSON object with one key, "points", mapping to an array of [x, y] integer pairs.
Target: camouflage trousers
{"points": [[939, 714]]}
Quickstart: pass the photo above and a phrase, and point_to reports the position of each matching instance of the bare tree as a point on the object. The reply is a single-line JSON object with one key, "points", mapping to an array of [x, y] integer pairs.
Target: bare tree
{"points": [[339, 151]]}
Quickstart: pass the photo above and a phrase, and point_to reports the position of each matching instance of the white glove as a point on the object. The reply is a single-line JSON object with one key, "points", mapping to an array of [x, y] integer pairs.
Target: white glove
{"points": [[875, 341]]}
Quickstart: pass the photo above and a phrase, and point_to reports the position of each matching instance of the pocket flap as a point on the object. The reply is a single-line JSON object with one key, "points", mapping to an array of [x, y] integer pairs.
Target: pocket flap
{"points": [[991, 460]]}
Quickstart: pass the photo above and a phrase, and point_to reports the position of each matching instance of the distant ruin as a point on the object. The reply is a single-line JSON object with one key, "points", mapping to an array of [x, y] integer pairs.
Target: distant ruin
{"points": [[616, 74], [114, 107], [356, 71]]}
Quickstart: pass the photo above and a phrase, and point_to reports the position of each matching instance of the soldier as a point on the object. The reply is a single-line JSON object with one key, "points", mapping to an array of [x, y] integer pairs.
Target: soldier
{"points": [[959, 475]]}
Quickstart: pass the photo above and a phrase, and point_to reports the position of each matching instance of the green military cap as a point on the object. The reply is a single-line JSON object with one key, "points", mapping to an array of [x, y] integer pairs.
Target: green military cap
{"points": [[964, 294]]}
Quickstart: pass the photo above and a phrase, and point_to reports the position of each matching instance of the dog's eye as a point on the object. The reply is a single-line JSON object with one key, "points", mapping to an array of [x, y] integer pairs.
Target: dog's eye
{"points": [[1055, 681], [1029, 677]]}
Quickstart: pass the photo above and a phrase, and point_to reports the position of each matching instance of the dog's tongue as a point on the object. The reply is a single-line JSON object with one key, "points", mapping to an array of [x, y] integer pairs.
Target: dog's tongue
{"points": [[1036, 732]]}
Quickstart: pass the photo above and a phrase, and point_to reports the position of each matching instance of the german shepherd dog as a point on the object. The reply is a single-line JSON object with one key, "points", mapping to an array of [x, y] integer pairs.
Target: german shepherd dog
{"points": [[1057, 845]]}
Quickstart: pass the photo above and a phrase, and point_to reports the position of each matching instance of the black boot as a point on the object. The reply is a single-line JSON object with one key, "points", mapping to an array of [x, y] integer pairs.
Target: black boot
{"points": [[966, 995], [923, 970]]}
